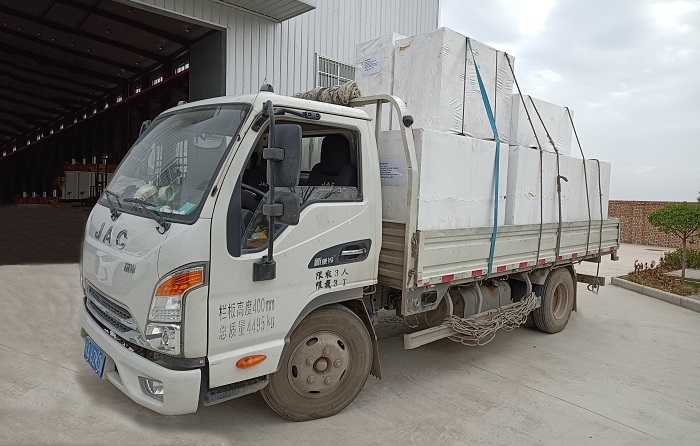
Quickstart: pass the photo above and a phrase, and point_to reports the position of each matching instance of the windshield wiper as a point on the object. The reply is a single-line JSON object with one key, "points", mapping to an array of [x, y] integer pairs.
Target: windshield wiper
{"points": [[112, 209], [162, 222]]}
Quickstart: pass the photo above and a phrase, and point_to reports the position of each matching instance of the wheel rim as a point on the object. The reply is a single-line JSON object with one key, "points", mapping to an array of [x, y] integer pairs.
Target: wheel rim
{"points": [[560, 301], [318, 364]]}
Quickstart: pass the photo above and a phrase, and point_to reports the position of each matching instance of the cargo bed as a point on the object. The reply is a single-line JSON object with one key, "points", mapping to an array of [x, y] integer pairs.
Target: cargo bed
{"points": [[461, 255]]}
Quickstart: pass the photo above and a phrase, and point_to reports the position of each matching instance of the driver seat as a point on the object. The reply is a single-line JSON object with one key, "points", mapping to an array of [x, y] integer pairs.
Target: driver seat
{"points": [[335, 168]]}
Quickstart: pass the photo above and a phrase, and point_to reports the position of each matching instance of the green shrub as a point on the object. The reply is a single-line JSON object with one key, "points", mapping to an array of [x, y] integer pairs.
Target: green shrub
{"points": [[673, 259]]}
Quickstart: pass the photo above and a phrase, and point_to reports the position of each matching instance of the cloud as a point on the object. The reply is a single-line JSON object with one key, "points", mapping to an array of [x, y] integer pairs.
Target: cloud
{"points": [[628, 68]]}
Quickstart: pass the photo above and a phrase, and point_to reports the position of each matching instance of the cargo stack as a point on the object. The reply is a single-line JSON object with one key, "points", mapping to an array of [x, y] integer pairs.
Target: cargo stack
{"points": [[456, 180], [374, 73], [435, 74], [523, 194]]}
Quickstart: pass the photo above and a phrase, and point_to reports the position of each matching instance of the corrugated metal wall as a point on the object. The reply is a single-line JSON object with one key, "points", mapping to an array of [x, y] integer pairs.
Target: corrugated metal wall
{"points": [[285, 53]]}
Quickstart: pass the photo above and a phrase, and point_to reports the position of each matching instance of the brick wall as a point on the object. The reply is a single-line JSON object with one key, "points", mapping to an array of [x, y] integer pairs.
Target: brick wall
{"points": [[635, 226]]}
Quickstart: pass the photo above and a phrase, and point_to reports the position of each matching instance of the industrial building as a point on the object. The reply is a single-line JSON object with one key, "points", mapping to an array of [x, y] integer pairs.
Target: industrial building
{"points": [[78, 77]]}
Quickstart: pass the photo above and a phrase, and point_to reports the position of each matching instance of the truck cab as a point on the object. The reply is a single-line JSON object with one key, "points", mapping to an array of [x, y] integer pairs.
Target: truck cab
{"points": [[174, 313]]}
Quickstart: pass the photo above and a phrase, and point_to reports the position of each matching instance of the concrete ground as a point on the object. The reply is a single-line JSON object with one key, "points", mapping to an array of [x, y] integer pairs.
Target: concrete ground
{"points": [[625, 371]]}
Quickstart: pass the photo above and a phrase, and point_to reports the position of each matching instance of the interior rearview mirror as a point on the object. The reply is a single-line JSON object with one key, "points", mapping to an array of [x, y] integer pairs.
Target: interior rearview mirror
{"points": [[286, 155]]}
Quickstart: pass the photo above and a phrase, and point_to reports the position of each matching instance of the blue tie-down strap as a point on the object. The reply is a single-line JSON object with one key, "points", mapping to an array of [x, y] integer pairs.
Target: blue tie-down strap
{"points": [[492, 121]]}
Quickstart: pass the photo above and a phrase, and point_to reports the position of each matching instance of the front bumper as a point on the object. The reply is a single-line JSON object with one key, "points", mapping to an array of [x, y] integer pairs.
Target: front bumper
{"points": [[123, 368]]}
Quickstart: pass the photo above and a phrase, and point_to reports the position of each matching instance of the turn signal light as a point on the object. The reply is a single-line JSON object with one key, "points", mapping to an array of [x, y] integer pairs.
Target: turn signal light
{"points": [[250, 361], [177, 284]]}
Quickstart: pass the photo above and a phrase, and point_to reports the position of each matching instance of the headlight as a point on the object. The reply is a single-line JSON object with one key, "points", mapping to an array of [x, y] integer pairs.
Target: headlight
{"points": [[165, 317], [164, 338]]}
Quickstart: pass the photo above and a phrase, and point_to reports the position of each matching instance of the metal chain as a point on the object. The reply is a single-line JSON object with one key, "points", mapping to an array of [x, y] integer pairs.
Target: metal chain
{"points": [[482, 331]]}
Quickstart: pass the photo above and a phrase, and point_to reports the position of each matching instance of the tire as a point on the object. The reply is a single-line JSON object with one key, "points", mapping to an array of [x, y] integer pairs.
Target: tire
{"points": [[557, 295], [324, 368]]}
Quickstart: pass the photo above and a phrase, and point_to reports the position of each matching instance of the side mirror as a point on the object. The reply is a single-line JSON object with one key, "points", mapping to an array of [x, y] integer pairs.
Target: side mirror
{"points": [[285, 209], [285, 155]]}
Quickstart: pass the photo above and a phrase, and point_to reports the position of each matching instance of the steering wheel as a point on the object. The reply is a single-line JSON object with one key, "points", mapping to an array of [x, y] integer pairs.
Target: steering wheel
{"points": [[257, 192], [252, 197]]}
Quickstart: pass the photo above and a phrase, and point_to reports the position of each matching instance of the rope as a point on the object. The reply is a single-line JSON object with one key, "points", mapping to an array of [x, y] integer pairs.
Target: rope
{"points": [[492, 121], [595, 286], [476, 332], [532, 126], [585, 178], [559, 177]]}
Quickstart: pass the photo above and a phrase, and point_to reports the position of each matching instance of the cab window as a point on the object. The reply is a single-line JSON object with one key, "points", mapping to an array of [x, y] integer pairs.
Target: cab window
{"points": [[330, 171]]}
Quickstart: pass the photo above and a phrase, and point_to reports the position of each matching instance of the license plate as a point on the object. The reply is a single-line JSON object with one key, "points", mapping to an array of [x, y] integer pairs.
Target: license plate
{"points": [[94, 356]]}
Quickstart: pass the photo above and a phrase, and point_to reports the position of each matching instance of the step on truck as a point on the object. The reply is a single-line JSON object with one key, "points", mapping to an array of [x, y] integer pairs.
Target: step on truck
{"points": [[240, 247]]}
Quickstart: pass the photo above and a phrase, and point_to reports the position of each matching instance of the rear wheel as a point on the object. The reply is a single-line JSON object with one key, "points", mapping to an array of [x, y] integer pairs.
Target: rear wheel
{"points": [[557, 295], [325, 367]]}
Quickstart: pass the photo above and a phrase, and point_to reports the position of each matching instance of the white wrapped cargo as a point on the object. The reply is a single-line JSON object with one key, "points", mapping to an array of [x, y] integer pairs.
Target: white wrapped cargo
{"points": [[577, 206], [556, 121], [374, 73], [523, 188], [523, 194], [456, 179], [434, 73]]}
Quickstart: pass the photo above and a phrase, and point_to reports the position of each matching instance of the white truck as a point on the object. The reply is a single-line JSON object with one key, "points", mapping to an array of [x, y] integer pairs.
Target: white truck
{"points": [[190, 298]]}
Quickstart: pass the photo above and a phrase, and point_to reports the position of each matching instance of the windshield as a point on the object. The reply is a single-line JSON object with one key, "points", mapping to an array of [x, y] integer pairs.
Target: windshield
{"points": [[171, 168]]}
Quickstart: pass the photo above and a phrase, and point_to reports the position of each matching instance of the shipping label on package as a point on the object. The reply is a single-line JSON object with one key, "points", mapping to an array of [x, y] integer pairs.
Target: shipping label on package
{"points": [[371, 64]]}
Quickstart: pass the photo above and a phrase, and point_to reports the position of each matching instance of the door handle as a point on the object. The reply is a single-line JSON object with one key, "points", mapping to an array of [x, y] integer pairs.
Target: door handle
{"points": [[352, 252]]}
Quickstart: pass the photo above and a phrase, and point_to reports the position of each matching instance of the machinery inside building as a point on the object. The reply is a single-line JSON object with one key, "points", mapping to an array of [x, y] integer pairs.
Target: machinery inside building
{"points": [[77, 80]]}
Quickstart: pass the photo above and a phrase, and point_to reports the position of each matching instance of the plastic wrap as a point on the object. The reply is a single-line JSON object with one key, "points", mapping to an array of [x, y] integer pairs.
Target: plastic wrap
{"points": [[577, 206], [456, 180], [374, 73], [556, 121], [523, 187], [435, 75]]}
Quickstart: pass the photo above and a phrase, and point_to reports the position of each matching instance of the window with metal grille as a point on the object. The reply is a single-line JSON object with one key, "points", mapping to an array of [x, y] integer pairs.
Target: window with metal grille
{"points": [[332, 72]]}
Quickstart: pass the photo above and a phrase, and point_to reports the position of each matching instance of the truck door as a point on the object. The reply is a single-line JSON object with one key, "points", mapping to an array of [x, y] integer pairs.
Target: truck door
{"points": [[329, 256]]}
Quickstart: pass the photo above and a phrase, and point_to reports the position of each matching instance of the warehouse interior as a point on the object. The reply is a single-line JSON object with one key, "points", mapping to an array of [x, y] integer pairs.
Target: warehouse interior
{"points": [[77, 80]]}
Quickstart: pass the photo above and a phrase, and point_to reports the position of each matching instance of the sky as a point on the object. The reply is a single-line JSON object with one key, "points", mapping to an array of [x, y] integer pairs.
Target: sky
{"points": [[629, 69]]}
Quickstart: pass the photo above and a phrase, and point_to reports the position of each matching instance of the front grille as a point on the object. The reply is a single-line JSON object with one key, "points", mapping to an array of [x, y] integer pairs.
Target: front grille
{"points": [[114, 322], [115, 308], [104, 308]]}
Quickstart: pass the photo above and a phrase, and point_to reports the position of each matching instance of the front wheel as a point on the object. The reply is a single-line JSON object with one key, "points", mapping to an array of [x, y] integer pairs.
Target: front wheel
{"points": [[557, 295], [325, 367]]}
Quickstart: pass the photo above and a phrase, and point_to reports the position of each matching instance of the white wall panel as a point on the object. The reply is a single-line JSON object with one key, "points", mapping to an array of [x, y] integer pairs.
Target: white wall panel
{"points": [[285, 53]]}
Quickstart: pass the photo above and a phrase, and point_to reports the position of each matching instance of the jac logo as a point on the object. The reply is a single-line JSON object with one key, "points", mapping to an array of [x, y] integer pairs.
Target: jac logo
{"points": [[119, 241]]}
